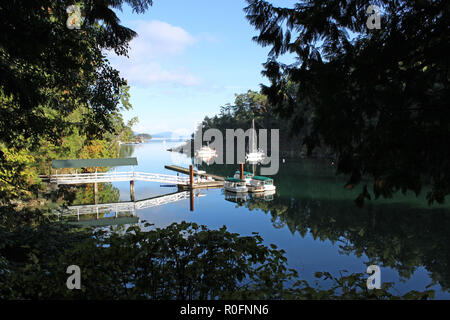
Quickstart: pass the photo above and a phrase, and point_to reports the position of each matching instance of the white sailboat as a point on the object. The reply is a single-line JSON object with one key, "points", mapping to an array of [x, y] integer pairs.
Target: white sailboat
{"points": [[254, 155], [205, 154]]}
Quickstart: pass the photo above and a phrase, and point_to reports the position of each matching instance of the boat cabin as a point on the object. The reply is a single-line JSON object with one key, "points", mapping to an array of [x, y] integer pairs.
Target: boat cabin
{"points": [[235, 185], [262, 180], [234, 182]]}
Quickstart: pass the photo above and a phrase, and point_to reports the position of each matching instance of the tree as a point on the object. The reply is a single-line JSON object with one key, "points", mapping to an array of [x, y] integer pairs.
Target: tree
{"points": [[182, 261], [49, 72], [378, 98]]}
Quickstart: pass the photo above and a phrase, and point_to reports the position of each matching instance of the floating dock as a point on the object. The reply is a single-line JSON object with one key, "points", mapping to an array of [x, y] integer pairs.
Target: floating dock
{"points": [[202, 185], [217, 181], [196, 173]]}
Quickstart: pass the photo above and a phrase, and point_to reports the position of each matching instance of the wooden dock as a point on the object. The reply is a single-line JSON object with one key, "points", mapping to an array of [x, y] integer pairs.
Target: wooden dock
{"points": [[217, 181], [196, 173], [202, 185]]}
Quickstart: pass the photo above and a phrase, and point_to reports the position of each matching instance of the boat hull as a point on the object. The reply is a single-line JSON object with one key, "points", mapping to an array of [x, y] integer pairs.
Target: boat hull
{"points": [[269, 188], [239, 189], [255, 189]]}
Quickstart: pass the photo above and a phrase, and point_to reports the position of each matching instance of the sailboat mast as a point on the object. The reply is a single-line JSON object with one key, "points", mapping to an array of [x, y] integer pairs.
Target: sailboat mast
{"points": [[253, 136]]}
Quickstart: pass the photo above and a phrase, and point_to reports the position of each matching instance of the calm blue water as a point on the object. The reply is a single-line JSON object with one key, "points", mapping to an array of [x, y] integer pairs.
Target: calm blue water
{"points": [[314, 219]]}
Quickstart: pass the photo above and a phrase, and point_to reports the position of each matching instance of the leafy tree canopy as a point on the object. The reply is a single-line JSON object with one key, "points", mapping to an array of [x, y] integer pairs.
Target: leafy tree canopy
{"points": [[378, 98], [181, 261], [48, 70], [59, 95]]}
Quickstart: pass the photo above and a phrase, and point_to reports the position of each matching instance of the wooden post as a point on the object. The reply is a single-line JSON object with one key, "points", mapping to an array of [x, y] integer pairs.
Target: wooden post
{"points": [[191, 176], [132, 190], [95, 192], [192, 200], [242, 171]]}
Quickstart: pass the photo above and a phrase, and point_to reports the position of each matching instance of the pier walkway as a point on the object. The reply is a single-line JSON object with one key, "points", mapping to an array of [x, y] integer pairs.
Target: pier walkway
{"points": [[113, 176]]}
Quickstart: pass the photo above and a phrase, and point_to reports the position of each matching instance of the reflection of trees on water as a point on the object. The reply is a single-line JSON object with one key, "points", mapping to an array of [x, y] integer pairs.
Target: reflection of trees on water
{"points": [[126, 150], [394, 235], [401, 233], [84, 194], [107, 193], [182, 261]]}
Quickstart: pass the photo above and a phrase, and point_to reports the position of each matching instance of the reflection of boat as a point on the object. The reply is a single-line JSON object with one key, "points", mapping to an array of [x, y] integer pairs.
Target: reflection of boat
{"points": [[235, 185], [238, 198], [264, 181], [266, 195], [254, 155]]}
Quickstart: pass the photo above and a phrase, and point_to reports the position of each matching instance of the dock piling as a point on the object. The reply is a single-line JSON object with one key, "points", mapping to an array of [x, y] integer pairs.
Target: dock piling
{"points": [[132, 190], [95, 192]]}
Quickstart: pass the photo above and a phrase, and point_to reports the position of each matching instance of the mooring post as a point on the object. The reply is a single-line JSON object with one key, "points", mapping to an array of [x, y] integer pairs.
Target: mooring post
{"points": [[192, 200], [132, 190], [191, 176], [242, 171]]}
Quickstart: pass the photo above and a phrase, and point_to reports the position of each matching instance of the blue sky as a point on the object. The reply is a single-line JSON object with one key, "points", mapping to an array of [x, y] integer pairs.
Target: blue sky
{"points": [[190, 58]]}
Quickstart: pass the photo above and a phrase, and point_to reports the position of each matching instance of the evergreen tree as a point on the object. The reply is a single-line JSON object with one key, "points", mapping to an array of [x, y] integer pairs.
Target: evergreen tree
{"points": [[377, 97]]}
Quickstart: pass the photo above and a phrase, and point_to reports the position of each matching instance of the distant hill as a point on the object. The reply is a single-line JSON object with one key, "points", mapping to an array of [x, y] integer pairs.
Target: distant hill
{"points": [[159, 135], [166, 134], [144, 136]]}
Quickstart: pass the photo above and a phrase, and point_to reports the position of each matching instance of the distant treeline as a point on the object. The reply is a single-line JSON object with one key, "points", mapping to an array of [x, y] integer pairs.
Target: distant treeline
{"points": [[255, 106], [142, 137]]}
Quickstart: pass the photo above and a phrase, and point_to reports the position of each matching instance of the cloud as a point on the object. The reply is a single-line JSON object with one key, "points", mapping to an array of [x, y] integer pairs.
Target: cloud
{"points": [[145, 74], [153, 56], [159, 39]]}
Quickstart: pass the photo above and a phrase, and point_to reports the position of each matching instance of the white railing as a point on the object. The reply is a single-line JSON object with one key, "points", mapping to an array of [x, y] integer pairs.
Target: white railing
{"points": [[126, 206], [113, 176]]}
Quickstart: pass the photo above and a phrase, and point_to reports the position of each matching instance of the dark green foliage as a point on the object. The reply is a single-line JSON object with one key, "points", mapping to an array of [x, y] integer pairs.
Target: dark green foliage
{"points": [[379, 98], [58, 91], [402, 233], [47, 70], [254, 106], [181, 261]]}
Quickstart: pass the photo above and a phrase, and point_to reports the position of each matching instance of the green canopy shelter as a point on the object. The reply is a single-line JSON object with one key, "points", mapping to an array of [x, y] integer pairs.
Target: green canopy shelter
{"points": [[90, 163]]}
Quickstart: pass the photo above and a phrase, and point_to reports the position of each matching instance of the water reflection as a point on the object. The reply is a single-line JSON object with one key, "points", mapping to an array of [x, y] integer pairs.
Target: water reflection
{"points": [[239, 198], [83, 213], [315, 219], [402, 233]]}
